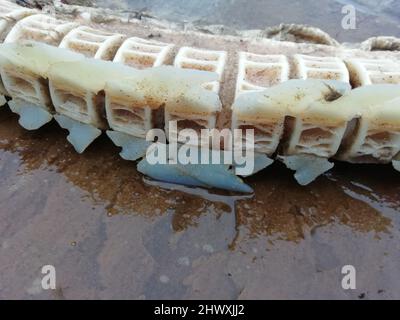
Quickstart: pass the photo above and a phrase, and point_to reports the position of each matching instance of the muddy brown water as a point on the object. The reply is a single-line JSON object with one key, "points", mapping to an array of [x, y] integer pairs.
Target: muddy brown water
{"points": [[111, 233]]}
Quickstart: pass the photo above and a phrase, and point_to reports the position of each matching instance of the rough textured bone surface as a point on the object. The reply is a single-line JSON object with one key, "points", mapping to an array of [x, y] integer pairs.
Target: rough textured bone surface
{"points": [[92, 43], [77, 89], [374, 136], [257, 72], [10, 13], [201, 59], [204, 60], [307, 168], [25, 87], [373, 71], [316, 136]]}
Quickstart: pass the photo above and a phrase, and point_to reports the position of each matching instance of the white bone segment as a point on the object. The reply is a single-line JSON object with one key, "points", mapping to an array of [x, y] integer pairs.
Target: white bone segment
{"points": [[179, 90], [30, 116], [313, 137], [77, 92], [141, 53], [10, 13], [375, 135], [307, 167], [371, 139], [23, 68], [41, 28], [81, 135], [92, 43], [310, 142], [326, 68], [122, 114], [203, 60], [297, 99], [125, 115], [373, 71], [257, 72], [133, 148], [77, 88]]}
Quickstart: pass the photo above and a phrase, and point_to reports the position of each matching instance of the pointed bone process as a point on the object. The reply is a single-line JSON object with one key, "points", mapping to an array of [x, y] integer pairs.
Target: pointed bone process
{"points": [[92, 43], [80, 135]]}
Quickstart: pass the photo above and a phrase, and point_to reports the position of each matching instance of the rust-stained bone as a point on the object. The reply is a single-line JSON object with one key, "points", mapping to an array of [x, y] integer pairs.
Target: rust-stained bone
{"points": [[125, 115], [142, 53], [260, 46]]}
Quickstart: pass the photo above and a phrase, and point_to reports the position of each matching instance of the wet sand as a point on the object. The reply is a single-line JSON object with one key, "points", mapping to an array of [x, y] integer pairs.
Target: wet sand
{"points": [[111, 233]]}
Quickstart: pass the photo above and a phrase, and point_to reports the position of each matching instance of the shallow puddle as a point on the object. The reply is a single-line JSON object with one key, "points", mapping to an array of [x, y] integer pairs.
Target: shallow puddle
{"points": [[112, 233]]}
